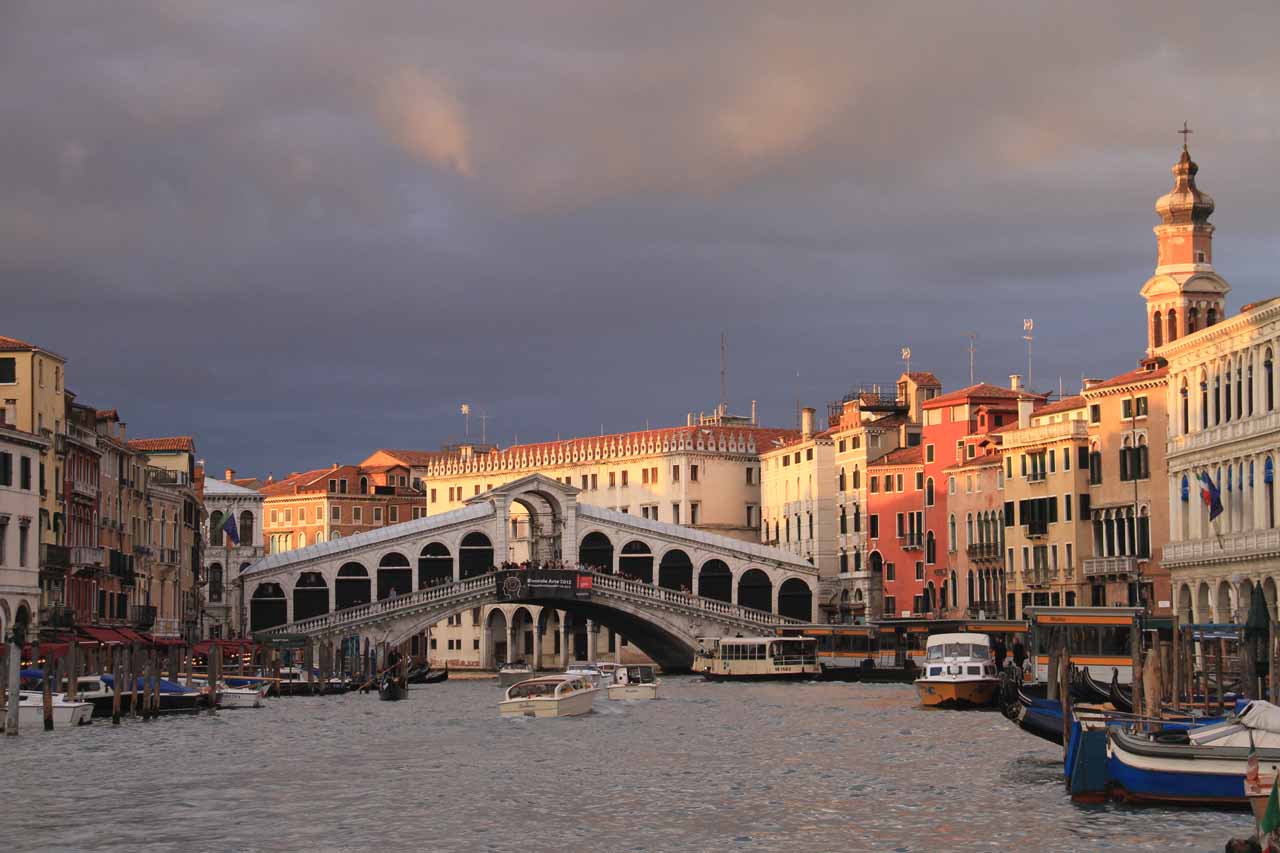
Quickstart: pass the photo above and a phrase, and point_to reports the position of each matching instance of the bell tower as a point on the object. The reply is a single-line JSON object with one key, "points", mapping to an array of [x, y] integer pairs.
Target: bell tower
{"points": [[1185, 295]]}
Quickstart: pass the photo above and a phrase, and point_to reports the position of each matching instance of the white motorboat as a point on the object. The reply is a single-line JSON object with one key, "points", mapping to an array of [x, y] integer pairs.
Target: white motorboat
{"points": [[234, 697], [585, 669], [634, 682], [549, 696], [66, 714], [608, 672], [958, 671], [514, 673]]}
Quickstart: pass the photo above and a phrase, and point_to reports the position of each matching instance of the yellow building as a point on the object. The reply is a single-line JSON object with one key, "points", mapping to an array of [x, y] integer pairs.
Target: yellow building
{"points": [[32, 399], [1046, 504]]}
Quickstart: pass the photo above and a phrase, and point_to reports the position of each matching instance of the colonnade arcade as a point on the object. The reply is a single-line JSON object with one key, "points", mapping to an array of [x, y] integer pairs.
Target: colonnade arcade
{"points": [[1203, 600]]}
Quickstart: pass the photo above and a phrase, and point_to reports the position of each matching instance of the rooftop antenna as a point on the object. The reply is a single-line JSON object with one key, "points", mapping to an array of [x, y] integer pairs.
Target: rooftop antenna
{"points": [[906, 357], [973, 337], [466, 418], [1059, 387], [723, 348], [1028, 326]]}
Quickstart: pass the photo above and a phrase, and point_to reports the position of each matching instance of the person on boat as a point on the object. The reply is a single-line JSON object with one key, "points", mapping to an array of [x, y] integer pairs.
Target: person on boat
{"points": [[1019, 652], [998, 649]]}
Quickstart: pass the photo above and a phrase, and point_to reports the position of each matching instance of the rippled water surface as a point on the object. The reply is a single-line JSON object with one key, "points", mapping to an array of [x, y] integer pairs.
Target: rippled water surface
{"points": [[810, 767]]}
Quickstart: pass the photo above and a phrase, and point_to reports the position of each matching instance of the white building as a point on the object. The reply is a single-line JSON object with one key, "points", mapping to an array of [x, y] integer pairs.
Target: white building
{"points": [[20, 454], [1222, 416], [223, 560]]}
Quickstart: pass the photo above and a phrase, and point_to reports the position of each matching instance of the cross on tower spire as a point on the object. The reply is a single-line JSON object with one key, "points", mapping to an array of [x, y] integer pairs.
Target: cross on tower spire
{"points": [[1186, 131]]}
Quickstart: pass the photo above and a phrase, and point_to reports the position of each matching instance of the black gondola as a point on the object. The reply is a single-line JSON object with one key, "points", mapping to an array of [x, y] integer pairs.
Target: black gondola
{"points": [[1121, 699], [391, 689], [427, 675]]}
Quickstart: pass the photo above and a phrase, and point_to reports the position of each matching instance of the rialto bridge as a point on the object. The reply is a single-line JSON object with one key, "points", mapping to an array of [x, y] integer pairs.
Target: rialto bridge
{"points": [[660, 585]]}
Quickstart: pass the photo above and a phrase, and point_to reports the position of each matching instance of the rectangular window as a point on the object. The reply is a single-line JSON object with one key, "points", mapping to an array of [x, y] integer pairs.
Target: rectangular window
{"points": [[23, 534], [1008, 466], [8, 371], [653, 475], [357, 515], [842, 445], [342, 486], [624, 478], [288, 516], [1066, 459], [584, 482], [693, 473], [335, 513], [902, 531], [898, 482], [675, 513], [1069, 564], [751, 516], [751, 476], [808, 454], [928, 453], [919, 570], [644, 476], [693, 514], [874, 485], [1082, 457], [1066, 506], [25, 482], [613, 479], [4, 528], [377, 515], [873, 526], [1126, 408], [595, 482], [890, 606], [890, 572], [433, 495], [274, 516], [477, 489], [675, 473], [919, 481], [1095, 413]]}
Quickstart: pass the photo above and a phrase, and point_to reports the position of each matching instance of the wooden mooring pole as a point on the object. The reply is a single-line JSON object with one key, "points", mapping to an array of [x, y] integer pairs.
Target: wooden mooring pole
{"points": [[14, 682], [116, 655], [1177, 664]]}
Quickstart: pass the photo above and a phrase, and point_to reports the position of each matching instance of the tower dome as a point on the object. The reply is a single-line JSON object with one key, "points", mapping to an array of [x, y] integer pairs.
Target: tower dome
{"points": [[1185, 204]]}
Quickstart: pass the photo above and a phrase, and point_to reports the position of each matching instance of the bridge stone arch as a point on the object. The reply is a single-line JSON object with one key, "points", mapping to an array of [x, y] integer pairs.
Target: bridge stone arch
{"points": [[675, 570], [436, 564], [635, 560], [755, 589], [395, 575], [715, 580], [352, 585], [597, 548], [311, 596]]}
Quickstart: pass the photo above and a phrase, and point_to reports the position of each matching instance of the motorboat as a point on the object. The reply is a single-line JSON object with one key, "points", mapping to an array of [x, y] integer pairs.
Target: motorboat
{"points": [[587, 670], [174, 697], [634, 682], [514, 673], [294, 682], [227, 696], [608, 672], [958, 671], [549, 696], [757, 658], [424, 674], [66, 713]]}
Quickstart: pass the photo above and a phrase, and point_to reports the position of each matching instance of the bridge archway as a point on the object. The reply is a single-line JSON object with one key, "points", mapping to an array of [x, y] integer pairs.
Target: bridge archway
{"points": [[795, 599], [475, 555], [310, 596], [596, 550], [435, 565], [676, 570], [495, 627], [394, 574], [268, 607], [716, 581], [352, 586], [523, 625], [546, 515], [636, 561], [755, 590]]}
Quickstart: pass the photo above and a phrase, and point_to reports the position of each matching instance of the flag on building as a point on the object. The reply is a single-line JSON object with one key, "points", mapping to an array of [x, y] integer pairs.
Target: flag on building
{"points": [[229, 528], [1211, 495]]}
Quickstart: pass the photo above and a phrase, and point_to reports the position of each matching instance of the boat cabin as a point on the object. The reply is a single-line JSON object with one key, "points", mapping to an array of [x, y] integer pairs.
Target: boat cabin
{"points": [[1100, 639], [756, 657]]}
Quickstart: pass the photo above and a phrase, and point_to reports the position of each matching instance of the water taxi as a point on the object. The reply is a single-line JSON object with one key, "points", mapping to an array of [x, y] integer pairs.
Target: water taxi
{"points": [[609, 672], [590, 671], [514, 673], [66, 713], [958, 670], [634, 682], [549, 696], [732, 658]]}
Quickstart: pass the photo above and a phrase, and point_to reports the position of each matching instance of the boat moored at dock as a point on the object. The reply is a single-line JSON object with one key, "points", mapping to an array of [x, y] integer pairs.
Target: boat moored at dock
{"points": [[756, 658], [67, 713], [958, 671], [549, 696]]}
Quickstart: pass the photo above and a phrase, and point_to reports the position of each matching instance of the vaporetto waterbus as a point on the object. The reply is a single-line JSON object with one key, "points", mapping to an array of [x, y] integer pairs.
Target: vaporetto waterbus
{"points": [[732, 658], [1101, 639]]}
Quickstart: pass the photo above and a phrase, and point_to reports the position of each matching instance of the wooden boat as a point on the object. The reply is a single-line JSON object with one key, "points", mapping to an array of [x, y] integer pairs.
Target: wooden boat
{"points": [[393, 688], [634, 682], [66, 713], [427, 675], [174, 697], [958, 671], [587, 670], [514, 673], [549, 696], [1258, 792]]}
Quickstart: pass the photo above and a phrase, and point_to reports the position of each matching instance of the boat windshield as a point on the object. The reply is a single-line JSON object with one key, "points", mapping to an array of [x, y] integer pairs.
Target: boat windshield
{"points": [[958, 650], [533, 689], [640, 674]]}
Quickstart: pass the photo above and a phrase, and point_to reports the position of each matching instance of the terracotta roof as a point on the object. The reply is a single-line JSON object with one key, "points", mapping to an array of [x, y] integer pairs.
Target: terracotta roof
{"points": [[413, 457], [153, 445], [922, 377], [976, 462], [247, 482], [901, 456], [1066, 404], [295, 482], [1139, 375], [15, 345], [981, 391], [108, 415]]}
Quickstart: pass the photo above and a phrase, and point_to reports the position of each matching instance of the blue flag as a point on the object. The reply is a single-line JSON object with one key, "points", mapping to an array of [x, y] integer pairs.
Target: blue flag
{"points": [[1212, 496], [229, 527]]}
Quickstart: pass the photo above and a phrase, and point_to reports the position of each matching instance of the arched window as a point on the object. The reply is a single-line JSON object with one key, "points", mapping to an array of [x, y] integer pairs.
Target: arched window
{"points": [[1193, 319], [1126, 450], [857, 560], [1210, 317], [1217, 399], [215, 583], [930, 548], [302, 539], [951, 485], [840, 481], [951, 533], [215, 527], [1157, 333], [246, 528], [844, 562], [1144, 459], [928, 492], [1239, 389], [1268, 490], [1226, 392], [1173, 325], [857, 478], [1266, 377], [1249, 387], [968, 529], [1204, 400]]}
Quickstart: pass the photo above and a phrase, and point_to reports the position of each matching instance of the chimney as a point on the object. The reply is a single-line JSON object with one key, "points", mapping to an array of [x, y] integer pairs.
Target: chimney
{"points": [[806, 421], [754, 422], [689, 420], [1025, 405], [335, 466], [1015, 381], [271, 478], [229, 474]]}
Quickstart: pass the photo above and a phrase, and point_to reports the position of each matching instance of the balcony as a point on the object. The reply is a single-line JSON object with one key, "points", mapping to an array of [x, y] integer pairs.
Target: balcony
{"points": [[980, 551], [1035, 531], [1224, 434], [1036, 476], [1046, 433], [1110, 566], [1244, 545], [166, 628], [86, 556], [163, 477], [58, 617], [911, 542], [55, 557], [83, 436], [84, 489], [142, 616]]}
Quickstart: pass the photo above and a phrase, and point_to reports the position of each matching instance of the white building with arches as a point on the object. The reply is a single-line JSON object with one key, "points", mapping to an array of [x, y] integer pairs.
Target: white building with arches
{"points": [[20, 454], [224, 560]]}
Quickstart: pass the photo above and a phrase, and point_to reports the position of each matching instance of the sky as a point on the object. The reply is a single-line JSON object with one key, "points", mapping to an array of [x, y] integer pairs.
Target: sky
{"points": [[301, 231]]}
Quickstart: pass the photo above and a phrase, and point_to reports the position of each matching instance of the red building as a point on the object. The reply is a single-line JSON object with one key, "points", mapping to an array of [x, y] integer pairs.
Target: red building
{"points": [[895, 531], [80, 496]]}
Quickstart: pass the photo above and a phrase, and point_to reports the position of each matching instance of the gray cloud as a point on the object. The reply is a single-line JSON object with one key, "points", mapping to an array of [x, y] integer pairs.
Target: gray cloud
{"points": [[301, 232]]}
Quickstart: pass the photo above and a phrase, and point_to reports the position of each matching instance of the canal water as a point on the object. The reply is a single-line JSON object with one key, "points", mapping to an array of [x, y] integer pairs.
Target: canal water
{"points": [[751, 767]]}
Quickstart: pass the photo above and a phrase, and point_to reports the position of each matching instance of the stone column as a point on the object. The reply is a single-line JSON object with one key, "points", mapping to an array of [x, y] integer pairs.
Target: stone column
{"points": [[511, 640], [733, 586], [502, 529], [693, 577], [456, 554], [537, 641], [774, 593], [564, 641], [591, 640]]}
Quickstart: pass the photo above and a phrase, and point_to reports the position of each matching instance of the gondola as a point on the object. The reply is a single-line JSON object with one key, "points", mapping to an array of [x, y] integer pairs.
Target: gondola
{"points": [[1122, 699], [426, 675], [391, 689], [1098, 692]]}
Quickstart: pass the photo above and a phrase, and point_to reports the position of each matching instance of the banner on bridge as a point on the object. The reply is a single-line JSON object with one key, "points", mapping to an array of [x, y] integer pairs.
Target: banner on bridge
{"points": [[543, 583]]}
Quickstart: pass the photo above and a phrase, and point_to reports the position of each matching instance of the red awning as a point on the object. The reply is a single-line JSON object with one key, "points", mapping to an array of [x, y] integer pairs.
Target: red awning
{"points": [[106, 636], [132, 636], [166, 642]]}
